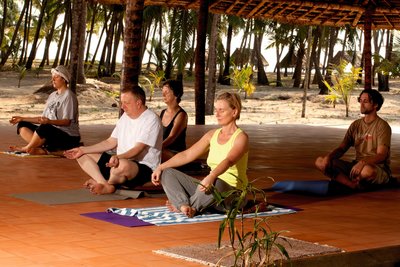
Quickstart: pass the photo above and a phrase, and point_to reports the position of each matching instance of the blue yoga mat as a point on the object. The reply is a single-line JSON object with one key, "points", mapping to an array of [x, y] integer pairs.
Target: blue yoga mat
{"points": [[319, 187]]}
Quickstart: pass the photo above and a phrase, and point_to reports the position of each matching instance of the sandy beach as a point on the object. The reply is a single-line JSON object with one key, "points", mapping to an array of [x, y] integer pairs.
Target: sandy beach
{"points": [[268, 105]]}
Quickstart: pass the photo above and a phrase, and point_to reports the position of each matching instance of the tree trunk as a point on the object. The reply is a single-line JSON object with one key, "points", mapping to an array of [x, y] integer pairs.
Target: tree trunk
{"points": [[212, 63], [181, 60], [169, 64], [77, 42], [49, 38], [104, 68], [314, 59], [93, 21], [226, 80], [7, 54], [333, 32], [299, 66], [199, 86], [191, 61], [159, 50], [32, 55], [61, 39], [3, 22], [104, 29], [261, 75], [152, 46], [25, 40], [384, 80], [117, 39], [131, 64], [308, 70], [68, 22]]}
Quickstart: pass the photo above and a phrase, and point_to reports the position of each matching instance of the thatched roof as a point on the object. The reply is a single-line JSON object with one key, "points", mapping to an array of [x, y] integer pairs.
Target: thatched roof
{"points": [[247, 56], [348, 56], [289, 61], [385, 14]]}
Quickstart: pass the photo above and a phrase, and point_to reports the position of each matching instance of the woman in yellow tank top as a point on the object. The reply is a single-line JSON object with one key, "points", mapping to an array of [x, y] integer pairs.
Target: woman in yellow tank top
{"points": [[227, 158]]}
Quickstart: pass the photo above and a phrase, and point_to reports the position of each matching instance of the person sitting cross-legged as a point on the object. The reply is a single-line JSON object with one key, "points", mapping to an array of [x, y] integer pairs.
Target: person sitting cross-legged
{"points": [[137, 138], [371, 138], [227, 157], [57, 129]]}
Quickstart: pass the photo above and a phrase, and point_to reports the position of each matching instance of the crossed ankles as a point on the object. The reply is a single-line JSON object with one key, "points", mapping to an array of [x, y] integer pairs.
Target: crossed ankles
{"points": [[188, 211], [32, 151], [99, 188]]}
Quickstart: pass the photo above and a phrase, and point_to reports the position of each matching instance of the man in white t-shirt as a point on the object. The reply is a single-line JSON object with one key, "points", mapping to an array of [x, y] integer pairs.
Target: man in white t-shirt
{"points": [[137, 138]]}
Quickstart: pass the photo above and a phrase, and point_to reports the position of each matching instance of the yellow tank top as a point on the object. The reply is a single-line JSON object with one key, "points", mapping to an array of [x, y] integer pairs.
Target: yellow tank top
{"points": [[236, 174]]}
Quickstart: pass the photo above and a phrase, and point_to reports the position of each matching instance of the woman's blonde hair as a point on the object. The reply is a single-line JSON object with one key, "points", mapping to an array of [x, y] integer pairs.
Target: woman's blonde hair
{"points": [[233, 100]]}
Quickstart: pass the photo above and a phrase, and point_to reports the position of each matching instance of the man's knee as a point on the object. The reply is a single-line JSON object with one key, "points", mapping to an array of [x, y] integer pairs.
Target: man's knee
{"points": [[126, 168], [318, 163], [369, 172]]}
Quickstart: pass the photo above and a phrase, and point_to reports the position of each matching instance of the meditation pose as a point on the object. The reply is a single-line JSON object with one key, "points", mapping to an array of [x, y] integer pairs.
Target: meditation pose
{"points": [[370, 136], [58, 127], [137, 138], [227, 157], [174, 120]]}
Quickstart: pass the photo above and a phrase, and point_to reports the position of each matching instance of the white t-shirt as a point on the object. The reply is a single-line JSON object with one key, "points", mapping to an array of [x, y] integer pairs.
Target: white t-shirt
{"points": [[145, 129]]}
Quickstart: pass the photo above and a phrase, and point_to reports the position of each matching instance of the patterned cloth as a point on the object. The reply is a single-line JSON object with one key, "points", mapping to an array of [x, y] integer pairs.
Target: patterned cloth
{"points": [[161, 216]]}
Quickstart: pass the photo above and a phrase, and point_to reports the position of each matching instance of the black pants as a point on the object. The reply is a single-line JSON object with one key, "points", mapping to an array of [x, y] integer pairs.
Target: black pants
{"points": [[55, 139]]}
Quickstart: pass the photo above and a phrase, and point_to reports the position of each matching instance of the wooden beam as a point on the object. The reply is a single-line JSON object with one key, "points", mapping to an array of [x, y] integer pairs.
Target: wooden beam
{"points": [[357, 19], [257, 8], [216, 3], [239, 13], [228, 11], [388, 21]]}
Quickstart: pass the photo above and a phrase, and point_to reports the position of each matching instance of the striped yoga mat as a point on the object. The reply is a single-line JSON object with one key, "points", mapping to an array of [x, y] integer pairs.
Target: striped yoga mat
{"points": [[161, 216]]}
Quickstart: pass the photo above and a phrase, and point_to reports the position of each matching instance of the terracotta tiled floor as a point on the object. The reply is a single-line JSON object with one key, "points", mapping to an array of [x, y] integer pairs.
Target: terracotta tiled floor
{"points": [[56, 235]]}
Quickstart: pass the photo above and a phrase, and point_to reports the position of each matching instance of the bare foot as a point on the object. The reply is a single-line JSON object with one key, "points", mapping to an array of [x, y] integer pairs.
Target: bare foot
{"points": [[98, 188], [188, 211], [17, 148], [171, 207], [37, 151]]}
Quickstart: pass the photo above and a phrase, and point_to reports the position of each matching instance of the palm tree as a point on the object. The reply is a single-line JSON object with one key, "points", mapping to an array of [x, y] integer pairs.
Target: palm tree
{"points": [[279, 36], [3, 22], [11, 46], [199, 86], [299, 40], [49, 24], [185, 24], [212, 62], [133, 32], [32, 54], [259, 29], [93, 11], [78, 43], [234, 23]]}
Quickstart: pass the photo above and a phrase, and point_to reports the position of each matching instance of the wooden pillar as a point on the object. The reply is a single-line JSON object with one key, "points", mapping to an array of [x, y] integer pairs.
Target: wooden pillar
{"points": [[131, 64], [367, 49], [200, 65]]}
